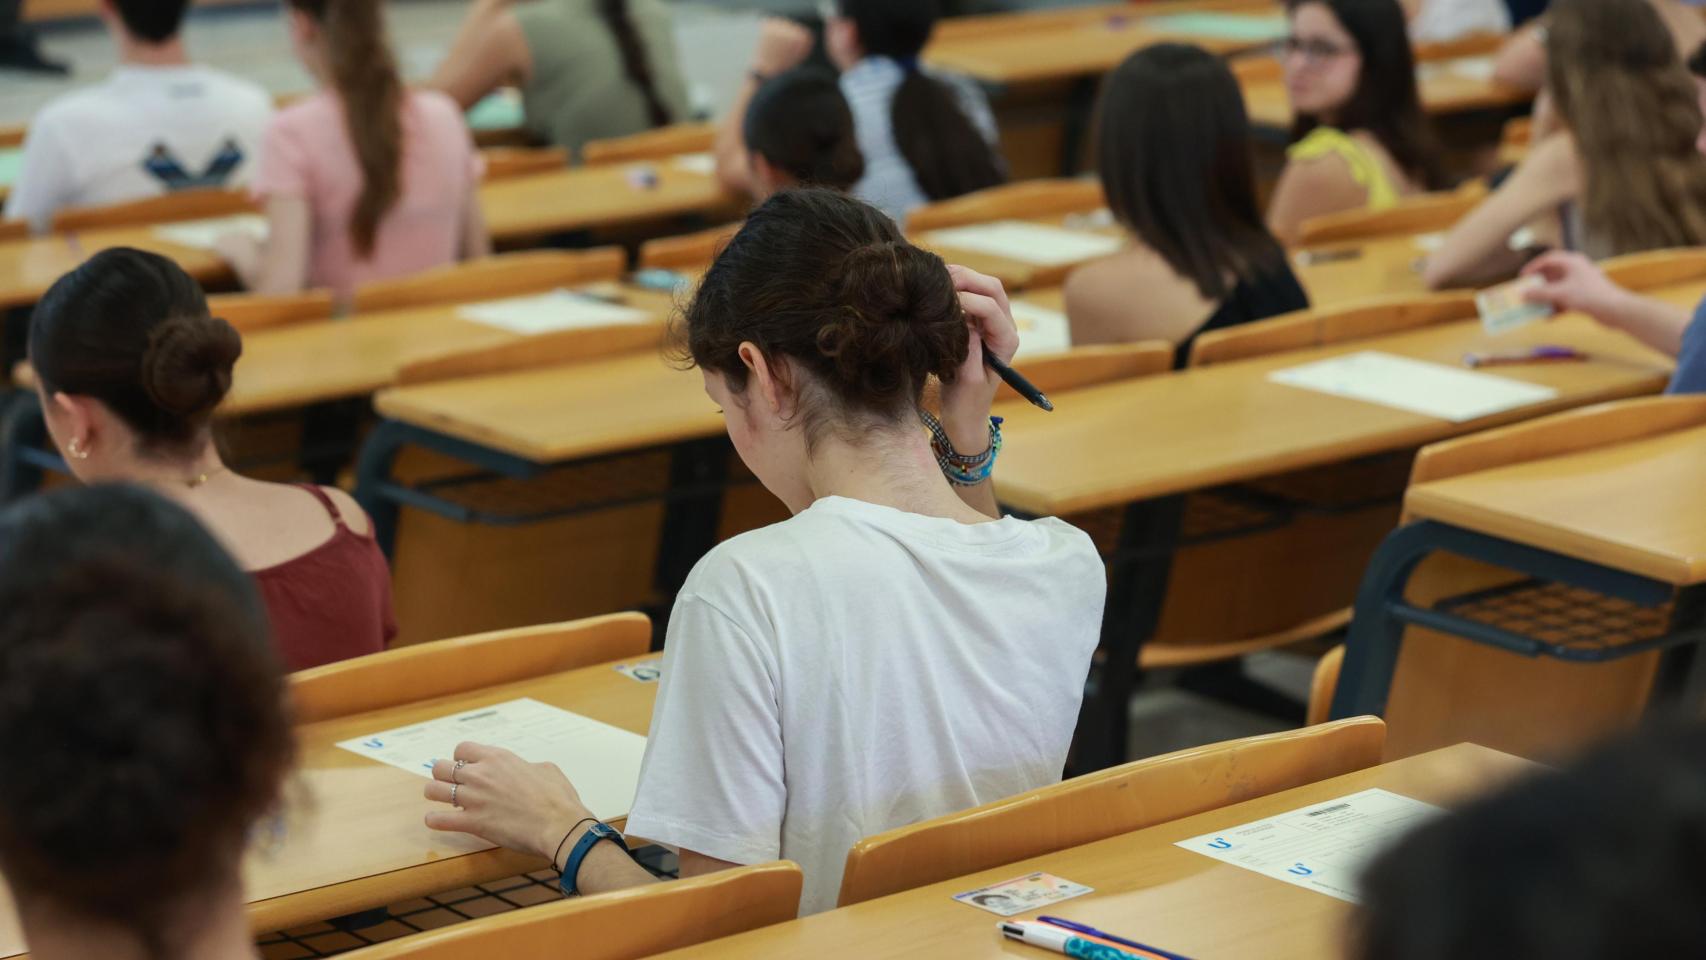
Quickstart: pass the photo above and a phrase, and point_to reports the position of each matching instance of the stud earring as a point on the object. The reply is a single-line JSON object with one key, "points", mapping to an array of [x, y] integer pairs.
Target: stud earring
{"points": [[75, 449]]}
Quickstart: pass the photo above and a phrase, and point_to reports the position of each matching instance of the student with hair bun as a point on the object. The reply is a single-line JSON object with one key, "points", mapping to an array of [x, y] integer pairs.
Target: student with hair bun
{"points": [[138, 691], [364, 180], [129, 368], [799, 132], [893, 652], [587, 69]]}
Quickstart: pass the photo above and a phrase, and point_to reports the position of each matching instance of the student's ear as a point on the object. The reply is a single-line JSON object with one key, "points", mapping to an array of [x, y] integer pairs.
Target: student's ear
{"points": [[78, 419], [765, 384]]}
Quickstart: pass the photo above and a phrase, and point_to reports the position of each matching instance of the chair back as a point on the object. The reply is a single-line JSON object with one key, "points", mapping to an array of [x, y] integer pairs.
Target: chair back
{"points": [[532, 352], [1106, 804], [1025, 200], [622, 925], [14, 229], [500, 275], [1422, 213], [671, 141], [1323, 684], [1457, 48], [166, 208], [689, 253], [12, 135], [505, 162], [1088, 366], [1330, 325], [1656, 268], [443, 667], [249, 312]]}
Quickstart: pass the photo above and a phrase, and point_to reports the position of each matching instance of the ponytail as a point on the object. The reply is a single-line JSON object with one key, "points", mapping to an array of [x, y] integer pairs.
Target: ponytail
{"points": [[364, 73], [947, 152], [634, 58]]}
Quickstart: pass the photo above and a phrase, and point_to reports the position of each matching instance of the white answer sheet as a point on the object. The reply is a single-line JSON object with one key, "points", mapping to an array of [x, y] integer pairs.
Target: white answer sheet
{"points": [[1322, 847], [1027, 242], [1041, 331], [553, 311], [1430, 389], [703, 164], [602, 761], [204, 234]]}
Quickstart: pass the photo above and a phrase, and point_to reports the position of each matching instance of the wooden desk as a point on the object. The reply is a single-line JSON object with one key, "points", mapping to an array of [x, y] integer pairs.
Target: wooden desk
{"points": [[355, 839], [1446, 87], [29, 267], [1144, 886]]}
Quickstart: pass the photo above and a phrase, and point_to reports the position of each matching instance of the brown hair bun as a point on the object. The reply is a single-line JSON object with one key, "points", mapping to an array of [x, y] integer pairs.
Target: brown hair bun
{"points": [[900, 323], [186, 369]]}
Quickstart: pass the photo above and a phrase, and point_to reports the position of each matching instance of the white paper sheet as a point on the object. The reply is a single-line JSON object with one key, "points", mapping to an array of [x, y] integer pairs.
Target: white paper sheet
{"points": [[701, 163], [602, 761], [1041, 331], [553, 311], [1430, 389], [1027, 242], [1322, 847], [202, 234]]}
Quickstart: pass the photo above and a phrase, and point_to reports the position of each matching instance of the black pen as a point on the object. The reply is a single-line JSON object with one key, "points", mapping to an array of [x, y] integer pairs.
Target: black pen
{"points": [[1016, 380]]}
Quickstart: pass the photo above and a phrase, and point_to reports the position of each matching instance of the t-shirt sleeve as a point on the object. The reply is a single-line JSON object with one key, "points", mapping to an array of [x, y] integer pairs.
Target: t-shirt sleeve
{"points": [[712, 780], [1690, 376], [285, 161], [45, 182]]}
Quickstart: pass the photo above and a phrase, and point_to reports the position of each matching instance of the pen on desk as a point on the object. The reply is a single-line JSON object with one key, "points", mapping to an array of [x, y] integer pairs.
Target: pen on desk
{"points": [[1017, 381], [1061, 941], [1090, 931], [1536, 355]]}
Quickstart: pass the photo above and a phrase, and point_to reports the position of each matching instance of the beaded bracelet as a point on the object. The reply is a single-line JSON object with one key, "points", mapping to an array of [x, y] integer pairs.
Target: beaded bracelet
{"points": [[960, 469]]}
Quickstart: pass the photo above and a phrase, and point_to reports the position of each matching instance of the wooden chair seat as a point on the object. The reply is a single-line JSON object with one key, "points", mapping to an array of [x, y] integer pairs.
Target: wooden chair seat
{"points": [[1106, 804], [670, 141], [500, 275], [1025, 200]]}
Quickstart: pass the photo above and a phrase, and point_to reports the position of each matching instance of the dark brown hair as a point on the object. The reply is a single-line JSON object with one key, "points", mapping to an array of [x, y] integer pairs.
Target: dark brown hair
{"points": [[364, 73], [946, 151], [132, 330], [635, 61], [1621, 90], [1173, 147], [1386, 101], [1697, 62], [800, 123], [828, 283], [141, 706]]}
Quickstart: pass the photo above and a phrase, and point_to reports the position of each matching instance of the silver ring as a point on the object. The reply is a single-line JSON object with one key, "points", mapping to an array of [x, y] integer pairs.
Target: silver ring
{"points": [[453, 788], [454, 770]]}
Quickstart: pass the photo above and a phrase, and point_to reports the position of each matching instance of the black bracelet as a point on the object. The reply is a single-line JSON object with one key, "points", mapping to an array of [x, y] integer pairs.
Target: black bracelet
{"points": [[565, 840]]}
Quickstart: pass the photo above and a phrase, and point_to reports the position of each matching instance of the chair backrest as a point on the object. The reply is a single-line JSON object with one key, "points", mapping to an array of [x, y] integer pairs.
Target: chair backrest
{"points": [[1256, 68], [1088, 366], [1423, 213], [1329, 325], [504, 162], [442, 667], [1323, 684], [687, 253], [501, 275], [166, 208], [1656, 268], [249, 312], [14, 229], [1469, 45], [671, 141], [1105, 804], [12, 135], [623, 925], [528, 353], [1024, 200]]}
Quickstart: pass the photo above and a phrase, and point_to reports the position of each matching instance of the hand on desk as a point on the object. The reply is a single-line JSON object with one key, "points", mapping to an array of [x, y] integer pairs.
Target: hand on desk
{"points": [[503, 799]]}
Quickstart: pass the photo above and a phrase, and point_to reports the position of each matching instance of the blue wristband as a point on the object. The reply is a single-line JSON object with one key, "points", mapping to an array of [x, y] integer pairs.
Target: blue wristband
{"points": [[568, 881]]}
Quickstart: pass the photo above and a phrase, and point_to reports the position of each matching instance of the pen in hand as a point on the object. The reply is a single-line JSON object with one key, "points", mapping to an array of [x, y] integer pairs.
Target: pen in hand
{"points": [[1016, 380]]}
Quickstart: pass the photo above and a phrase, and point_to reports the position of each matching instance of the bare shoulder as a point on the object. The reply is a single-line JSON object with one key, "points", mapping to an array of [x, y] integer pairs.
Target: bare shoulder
{"points": [[1312, 187], [353, 515]]}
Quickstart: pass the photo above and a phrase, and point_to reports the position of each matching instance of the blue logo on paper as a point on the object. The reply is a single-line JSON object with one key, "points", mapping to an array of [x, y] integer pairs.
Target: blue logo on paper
{"points": [[1301, 870], [373, 744], [1219, 843]]}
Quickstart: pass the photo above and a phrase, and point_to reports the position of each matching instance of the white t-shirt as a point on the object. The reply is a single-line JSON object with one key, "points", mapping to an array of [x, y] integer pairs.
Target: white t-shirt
{"points": [[144, 132], [889, 183], [856, 669]]}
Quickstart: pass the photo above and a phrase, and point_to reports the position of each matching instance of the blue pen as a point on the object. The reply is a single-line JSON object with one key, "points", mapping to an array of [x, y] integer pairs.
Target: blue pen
{"points": [[1090, 931]]}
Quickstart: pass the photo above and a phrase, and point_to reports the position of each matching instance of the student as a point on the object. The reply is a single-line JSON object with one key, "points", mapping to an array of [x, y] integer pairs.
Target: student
{"points": [[1623, 173], [1601, 859], [137, 690], [365, 180], [158, 124], [924, 137], [1362, 140], [1521, 60], [129, 368], [799, 132], [1572, 282], [799, 712], [1173, 150], [587, 69]]}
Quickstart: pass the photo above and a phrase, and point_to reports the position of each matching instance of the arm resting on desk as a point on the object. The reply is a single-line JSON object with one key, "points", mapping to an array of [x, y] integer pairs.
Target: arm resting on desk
{"points": [[1570, 281], [1478, 248]]}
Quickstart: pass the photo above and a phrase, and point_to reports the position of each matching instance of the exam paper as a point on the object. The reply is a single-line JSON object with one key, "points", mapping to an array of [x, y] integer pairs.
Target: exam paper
{"points": [[1027, 242], [603, 762], [1220, 26], [700, 163], [550, 312], [1041, 331], [203, 234], [1323, 847], [1430, 389]]}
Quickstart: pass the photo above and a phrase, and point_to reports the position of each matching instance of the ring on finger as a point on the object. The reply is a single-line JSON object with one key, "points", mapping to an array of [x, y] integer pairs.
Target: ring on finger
{"points": [[456, 769]]}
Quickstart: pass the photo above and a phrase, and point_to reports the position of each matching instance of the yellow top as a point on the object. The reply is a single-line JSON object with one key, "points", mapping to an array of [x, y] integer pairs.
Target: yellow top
{"points": [[1366, 168]]}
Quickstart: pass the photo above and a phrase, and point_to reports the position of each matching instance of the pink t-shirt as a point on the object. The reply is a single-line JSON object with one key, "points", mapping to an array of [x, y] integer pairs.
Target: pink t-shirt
{"points": [[307, 153]]}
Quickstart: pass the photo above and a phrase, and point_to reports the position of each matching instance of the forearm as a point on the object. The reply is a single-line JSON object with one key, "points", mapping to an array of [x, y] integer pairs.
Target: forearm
{"points": [[606, 866], [970, 435], [1653, 322], [730, 147]]}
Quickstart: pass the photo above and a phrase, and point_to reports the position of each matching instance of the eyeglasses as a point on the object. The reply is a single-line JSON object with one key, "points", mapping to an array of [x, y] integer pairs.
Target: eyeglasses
{"points": [[1312, 51]]}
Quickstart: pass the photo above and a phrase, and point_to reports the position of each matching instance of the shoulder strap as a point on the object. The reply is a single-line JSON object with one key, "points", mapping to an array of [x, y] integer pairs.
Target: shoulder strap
{"points": [[325, 501]]}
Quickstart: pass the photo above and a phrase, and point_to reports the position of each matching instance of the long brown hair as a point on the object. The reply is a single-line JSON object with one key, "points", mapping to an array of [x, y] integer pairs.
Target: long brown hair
{"points": [[1621, 89], [631, 45], [364, 73]]}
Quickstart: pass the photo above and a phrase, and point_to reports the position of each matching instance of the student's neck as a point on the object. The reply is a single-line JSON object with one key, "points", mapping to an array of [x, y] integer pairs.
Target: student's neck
{"points": [[893, 468], [178, 478], [222, 933], [135, 53]]}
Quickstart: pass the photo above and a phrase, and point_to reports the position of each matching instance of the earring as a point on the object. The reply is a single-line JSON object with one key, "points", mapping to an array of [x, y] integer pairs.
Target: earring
{"points": [[75, 449]]}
